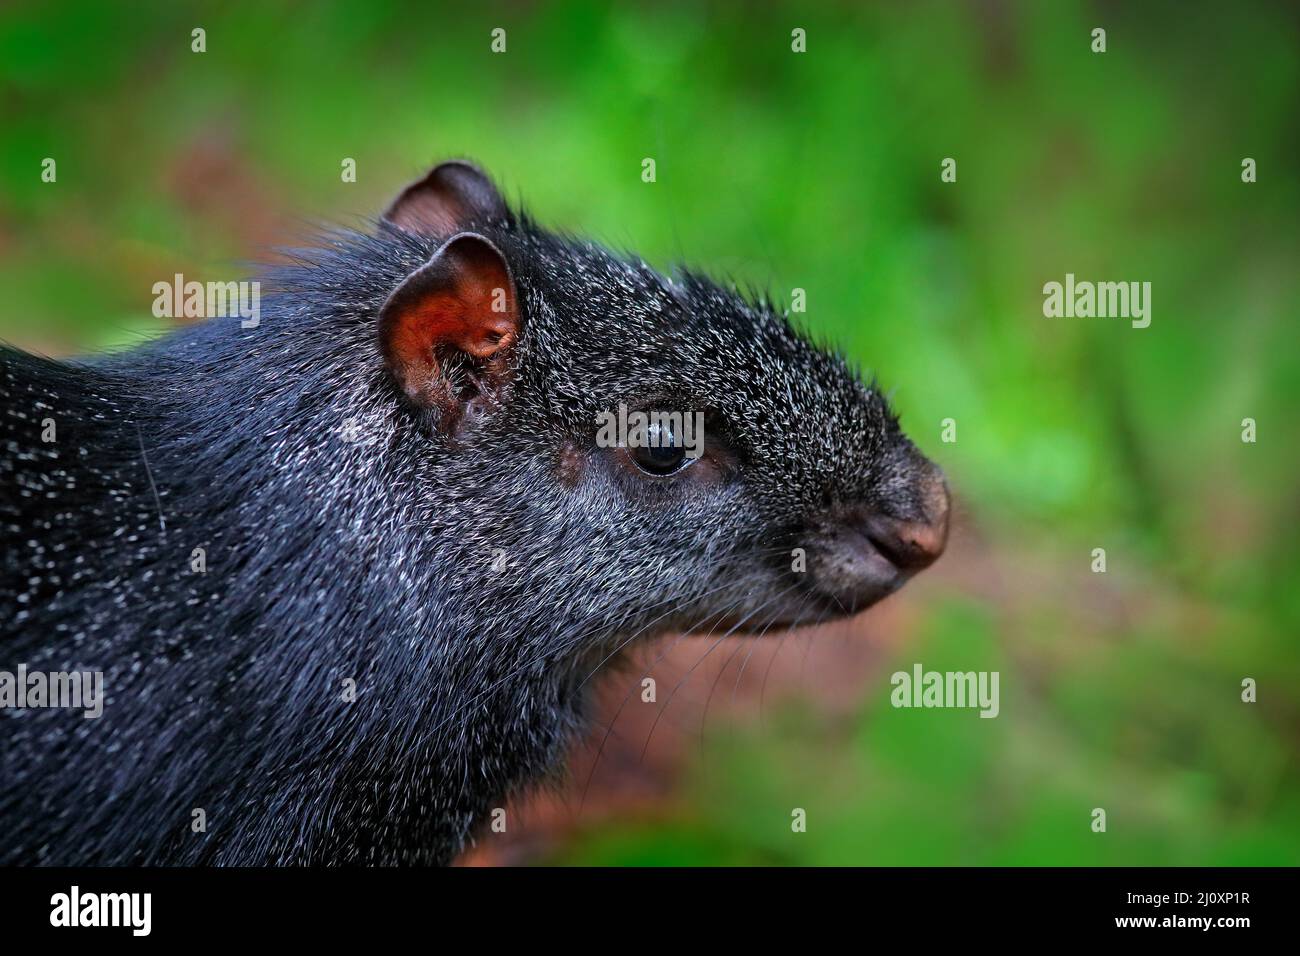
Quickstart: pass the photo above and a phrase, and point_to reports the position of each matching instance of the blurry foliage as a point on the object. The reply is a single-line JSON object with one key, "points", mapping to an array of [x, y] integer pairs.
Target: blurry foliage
{"points": [[821, 171]]}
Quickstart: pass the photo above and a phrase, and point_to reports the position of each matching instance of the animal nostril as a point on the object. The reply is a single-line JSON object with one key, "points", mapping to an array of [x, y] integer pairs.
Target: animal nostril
{"points": [[912, 545], [909, 545]]}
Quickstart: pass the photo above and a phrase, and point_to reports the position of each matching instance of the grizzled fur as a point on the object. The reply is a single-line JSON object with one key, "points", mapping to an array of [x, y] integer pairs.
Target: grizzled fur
{"points": [[469, 583]]}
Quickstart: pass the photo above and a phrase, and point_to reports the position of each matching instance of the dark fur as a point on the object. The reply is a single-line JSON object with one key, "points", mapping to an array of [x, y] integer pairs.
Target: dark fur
{"points": [[373, 560]]}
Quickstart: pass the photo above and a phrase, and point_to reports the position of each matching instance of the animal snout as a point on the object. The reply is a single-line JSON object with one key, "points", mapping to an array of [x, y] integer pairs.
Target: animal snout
{"points": [[862, 553]]}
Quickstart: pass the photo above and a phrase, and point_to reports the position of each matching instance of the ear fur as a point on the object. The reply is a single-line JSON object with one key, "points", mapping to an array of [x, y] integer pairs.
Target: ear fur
{"points": [[448, 199]]}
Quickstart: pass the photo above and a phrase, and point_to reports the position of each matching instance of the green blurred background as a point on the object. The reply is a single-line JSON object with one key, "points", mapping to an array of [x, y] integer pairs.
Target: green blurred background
{"points": [[822, 171]]}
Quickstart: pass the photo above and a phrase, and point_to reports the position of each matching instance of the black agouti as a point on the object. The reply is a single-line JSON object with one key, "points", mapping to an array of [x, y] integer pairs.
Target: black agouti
{"points": [[346, 573]]}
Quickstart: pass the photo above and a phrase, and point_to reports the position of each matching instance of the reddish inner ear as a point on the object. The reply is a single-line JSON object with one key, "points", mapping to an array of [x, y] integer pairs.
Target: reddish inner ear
{"points": [[462, 300]]}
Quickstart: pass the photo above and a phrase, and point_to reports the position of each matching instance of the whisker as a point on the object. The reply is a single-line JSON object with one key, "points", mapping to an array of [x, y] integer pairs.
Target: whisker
{"points": [[713, 688], [563, 648], [639, 631], [762, 693], [762, 607], [628, 696]]}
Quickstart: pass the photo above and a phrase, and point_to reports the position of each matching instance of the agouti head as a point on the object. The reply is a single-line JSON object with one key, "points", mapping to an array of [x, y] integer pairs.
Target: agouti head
{"points": [[459, 464], [522, 359]]}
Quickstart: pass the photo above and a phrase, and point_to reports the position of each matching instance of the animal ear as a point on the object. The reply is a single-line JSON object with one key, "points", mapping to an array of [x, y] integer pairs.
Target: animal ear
{"points": [[453, 195], [447, 331]]}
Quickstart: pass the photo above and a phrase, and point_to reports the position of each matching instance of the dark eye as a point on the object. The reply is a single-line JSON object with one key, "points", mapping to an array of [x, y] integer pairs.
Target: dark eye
{"points": [[662, 454]]}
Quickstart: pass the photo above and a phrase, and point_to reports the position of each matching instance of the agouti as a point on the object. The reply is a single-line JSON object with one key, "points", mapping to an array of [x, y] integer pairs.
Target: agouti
{"points": [[412, 550]]}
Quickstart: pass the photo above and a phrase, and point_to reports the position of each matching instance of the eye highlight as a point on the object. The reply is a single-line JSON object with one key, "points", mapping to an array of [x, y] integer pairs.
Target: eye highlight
{"points": [[662, 454]]}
